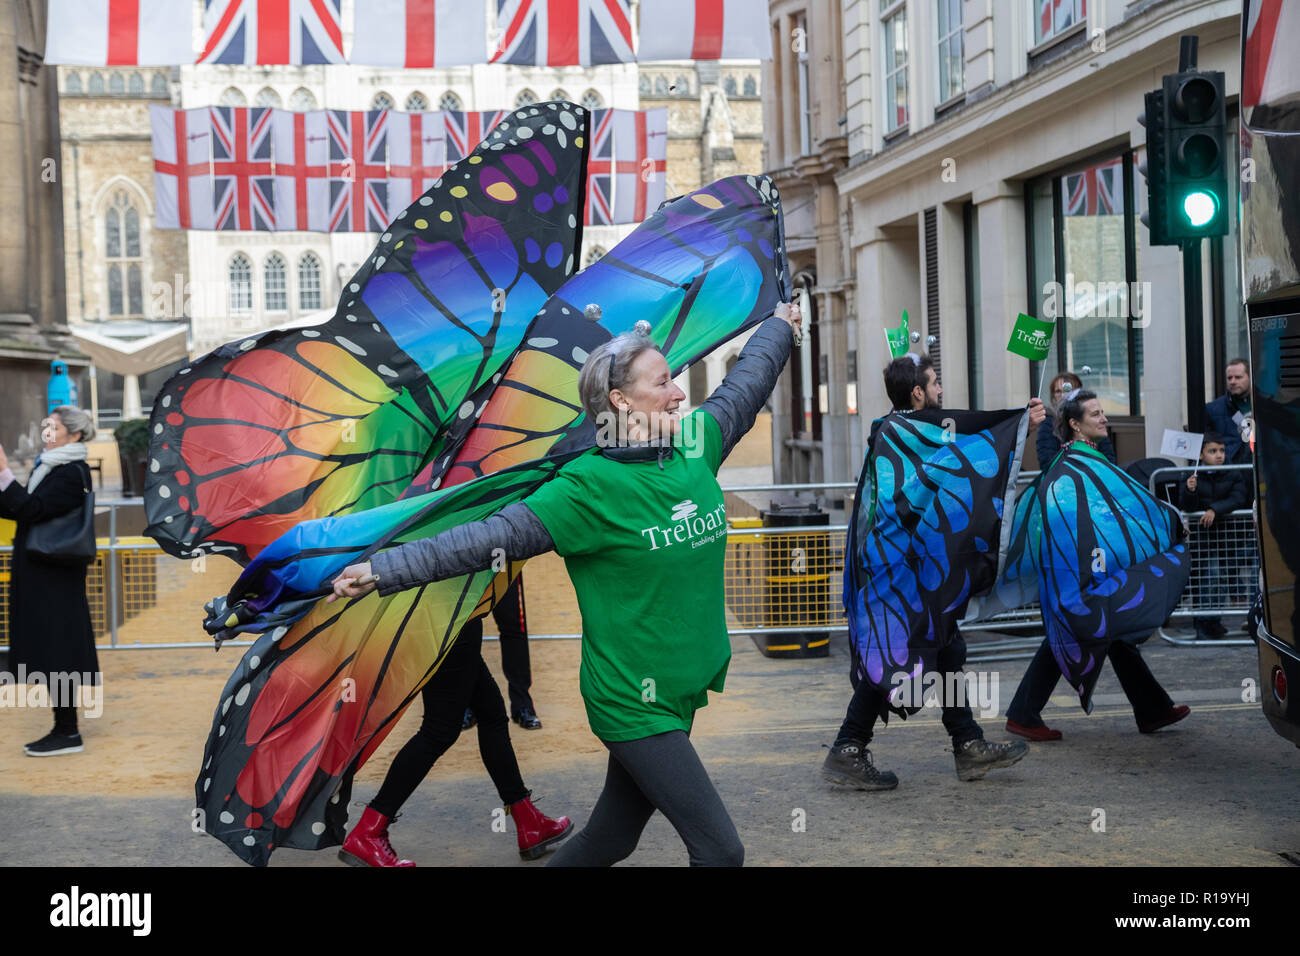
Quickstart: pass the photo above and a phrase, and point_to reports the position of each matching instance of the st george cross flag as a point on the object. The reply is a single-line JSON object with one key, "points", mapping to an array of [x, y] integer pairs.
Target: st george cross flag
{"points": [[301, 148], [565, 32], [182, 174], [417, 155], [358, 173], [272, 31], [465, 130], [119, 33], [242, 187], [627, 167], [420, 33], [704, 30]]}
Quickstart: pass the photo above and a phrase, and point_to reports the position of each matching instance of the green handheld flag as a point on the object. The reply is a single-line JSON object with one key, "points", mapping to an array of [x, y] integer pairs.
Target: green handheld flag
{"points": [[1031, 337], [897, 339]]}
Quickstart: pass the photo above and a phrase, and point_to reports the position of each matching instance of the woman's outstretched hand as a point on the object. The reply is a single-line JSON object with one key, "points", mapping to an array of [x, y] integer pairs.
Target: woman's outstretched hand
{"points": [[354, 581], [4, 461], [789, 312]]}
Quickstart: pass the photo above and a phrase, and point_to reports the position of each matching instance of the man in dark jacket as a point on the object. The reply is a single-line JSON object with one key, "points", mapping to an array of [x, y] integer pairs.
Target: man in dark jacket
{"points": [[1215, 494], [1229, 413], [912, 386]]}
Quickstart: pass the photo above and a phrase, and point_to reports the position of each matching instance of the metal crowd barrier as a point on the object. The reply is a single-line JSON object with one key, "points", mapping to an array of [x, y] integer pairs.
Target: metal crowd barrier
{"points": [[777, 580], [1225, 559]]}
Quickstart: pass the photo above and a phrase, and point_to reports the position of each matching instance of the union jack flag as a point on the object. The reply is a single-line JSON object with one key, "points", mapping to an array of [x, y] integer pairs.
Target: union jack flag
{"points": [[1097, 191], [465, 131], [358, 171], [243, 190], [272, 31], [564, 32], [417, 155], [627, 165], [1064, 13]]}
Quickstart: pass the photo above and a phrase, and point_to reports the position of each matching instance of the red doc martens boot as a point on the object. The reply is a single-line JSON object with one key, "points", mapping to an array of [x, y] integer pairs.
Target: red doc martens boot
{"points": [[537, 832], [367, 844]]}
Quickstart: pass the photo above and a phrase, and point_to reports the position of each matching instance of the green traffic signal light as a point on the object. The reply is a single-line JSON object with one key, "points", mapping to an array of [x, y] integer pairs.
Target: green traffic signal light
{"points": [[1200, 208]]}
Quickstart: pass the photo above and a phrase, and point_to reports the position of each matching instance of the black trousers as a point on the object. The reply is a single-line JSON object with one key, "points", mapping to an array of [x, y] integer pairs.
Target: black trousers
{"points": [[512, 625], [661, 773], [860, 719], [462, 681], [1150, 701]]}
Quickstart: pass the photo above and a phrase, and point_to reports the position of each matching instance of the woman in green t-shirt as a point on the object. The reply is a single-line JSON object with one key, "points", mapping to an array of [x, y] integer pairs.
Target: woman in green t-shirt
{"points": [[639, 520]]}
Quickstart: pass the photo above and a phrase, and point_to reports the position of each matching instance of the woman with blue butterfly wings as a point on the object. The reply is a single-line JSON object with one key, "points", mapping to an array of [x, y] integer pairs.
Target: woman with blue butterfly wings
{"points": [[1106, 559]]}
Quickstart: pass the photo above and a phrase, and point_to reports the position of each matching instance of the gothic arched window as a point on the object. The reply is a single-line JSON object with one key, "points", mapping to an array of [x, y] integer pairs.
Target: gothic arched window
{"points": [[275, 293], [239, 276], [125, 265], [309, 282], [302, 100]]}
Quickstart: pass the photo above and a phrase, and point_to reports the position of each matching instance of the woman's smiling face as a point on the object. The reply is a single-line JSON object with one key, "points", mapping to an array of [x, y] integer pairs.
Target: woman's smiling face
{"points": [[651, 399]]}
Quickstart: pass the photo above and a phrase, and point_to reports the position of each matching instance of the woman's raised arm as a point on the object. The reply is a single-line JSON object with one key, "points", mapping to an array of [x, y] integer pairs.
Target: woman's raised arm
{"points": [[737, 401]]}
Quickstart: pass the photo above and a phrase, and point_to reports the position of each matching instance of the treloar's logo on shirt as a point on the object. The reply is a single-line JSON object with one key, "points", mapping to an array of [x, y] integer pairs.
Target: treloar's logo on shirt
{"points": [[686, 524]]}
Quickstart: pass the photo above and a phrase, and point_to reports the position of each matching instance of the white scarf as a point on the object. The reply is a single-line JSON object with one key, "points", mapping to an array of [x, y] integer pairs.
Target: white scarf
{"points": [[52, 457]]}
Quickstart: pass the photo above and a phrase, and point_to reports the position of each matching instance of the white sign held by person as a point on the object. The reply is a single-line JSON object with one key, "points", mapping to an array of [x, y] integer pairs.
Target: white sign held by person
{"points": [[1181, 444]]}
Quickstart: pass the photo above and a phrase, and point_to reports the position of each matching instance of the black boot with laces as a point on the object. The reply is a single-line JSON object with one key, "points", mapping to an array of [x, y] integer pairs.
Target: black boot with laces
{"points": [[849, 764]]}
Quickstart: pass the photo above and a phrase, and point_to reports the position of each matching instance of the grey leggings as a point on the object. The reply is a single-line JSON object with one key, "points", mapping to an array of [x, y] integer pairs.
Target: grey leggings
{"points": [[662, 773]]}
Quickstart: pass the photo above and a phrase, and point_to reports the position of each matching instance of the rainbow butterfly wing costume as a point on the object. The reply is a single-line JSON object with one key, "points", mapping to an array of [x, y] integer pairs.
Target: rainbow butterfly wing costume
{"points": [[498, 415]]}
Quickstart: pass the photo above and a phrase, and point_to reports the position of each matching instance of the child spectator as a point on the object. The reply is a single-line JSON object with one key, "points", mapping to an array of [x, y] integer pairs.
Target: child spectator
{"points": [[1216, 494]]}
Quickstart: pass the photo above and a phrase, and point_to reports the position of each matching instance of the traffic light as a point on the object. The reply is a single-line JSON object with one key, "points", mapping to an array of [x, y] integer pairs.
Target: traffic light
{"points": [[1187, 157], [1197, 155], [1154, 168]]}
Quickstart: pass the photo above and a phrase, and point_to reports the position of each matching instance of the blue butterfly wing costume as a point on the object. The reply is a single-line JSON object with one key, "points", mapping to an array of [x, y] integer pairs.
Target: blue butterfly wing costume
{"points": [[925, 536], [1104, 557]]}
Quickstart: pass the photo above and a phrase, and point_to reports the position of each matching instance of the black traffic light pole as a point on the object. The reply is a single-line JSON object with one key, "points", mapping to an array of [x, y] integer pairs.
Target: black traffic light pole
{"points": [[1195, 335], [1194, 317]]}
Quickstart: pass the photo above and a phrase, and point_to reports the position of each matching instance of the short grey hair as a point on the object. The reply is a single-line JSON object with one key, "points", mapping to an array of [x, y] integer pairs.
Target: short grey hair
{"points": [[609, 366], [75, 420]]}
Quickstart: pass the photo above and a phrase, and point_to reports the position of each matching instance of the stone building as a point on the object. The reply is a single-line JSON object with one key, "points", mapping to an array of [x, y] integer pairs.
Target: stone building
{"points": [[974, 159], [33, 311], [715, 129], [226, 284]]}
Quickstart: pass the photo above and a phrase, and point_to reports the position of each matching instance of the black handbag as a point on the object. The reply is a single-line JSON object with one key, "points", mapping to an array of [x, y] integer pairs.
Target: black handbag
{"points": [[68, 540]]}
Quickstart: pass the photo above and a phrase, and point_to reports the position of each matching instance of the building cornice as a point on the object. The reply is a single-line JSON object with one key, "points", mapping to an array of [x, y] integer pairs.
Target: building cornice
{"points": [[1138, 46]]}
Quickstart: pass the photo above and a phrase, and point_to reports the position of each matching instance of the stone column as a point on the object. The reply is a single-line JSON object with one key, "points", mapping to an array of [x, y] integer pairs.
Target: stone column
{"points": [[1003, 285]]}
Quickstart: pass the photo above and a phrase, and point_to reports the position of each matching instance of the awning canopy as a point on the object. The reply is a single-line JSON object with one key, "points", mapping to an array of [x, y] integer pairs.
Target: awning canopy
{"points": [[132, 347]]}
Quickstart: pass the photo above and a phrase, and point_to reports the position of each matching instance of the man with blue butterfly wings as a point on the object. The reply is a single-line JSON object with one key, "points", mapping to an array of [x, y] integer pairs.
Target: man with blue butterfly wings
{"points": [[924, 537]]}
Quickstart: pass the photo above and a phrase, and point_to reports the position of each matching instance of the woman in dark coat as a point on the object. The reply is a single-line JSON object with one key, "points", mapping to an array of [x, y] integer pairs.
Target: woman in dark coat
{"points": [[1048, 444], [49, 618]]}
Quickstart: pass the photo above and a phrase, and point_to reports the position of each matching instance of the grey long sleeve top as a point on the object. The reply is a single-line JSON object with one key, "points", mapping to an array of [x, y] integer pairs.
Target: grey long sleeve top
{"points": [[516, 533]]}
